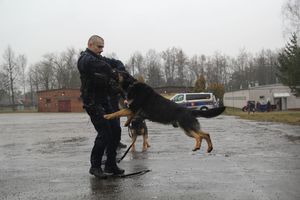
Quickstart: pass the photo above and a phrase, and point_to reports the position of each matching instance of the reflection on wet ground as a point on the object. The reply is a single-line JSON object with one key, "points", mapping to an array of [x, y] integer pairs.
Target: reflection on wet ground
{"points": [[46, 156]]}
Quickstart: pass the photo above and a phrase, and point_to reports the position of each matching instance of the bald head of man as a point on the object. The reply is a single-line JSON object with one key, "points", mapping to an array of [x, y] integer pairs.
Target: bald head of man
{"points": [[96, 44]]}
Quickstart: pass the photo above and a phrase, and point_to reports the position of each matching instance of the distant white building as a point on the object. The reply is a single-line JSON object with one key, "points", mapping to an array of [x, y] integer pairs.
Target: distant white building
{"points": [[277, 94]]}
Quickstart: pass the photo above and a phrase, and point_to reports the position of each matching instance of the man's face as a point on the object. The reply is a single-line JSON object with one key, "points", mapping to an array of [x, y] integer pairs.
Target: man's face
{"points": [[97, 46]]}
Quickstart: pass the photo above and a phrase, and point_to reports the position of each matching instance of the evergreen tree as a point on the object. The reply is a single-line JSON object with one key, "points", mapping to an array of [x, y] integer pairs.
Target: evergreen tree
{"points": [[217, 89], [200, 84], [289, 65]]}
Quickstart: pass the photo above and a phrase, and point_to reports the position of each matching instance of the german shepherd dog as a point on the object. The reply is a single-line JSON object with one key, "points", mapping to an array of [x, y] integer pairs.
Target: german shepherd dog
{"points": [[138, 127], [144, 101]]}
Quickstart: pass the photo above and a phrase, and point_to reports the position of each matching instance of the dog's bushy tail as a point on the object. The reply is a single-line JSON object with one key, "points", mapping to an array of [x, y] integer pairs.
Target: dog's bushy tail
{"points": [[208, 113]]}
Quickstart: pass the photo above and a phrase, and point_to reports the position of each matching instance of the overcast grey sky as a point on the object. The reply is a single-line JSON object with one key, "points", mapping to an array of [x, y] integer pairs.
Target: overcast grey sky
{"points": [[37, 27]]}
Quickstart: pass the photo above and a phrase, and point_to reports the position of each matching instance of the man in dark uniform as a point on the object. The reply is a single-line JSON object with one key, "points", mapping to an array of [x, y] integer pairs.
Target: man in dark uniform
{"points": [[97, 80]]}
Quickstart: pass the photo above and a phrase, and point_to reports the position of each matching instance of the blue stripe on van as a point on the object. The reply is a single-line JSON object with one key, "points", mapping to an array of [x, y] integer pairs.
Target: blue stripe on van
{"points": [[196, 103], [199, 103]]}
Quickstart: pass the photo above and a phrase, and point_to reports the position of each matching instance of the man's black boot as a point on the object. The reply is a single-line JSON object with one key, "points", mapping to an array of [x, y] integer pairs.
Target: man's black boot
{"points": [[97, 171], [113, 170]]}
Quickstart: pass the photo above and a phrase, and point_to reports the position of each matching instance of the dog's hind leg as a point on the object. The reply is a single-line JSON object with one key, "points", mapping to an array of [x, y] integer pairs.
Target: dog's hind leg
{"points": [[206, 136], [134, 136], [146, 136], [197, 138], [145, 141]]}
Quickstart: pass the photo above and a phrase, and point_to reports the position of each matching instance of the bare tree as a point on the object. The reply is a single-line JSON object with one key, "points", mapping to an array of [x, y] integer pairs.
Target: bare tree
{"points": [[136, 64], [196, 67], [243, 75], [4, 83], [264, 65], [59, 70], [291, 17], [217, 70], [55, 71], [45, 70], [33, 81], [22, 62], [71, 57], [196, 64], [210, 71], [247, 70], [169, 63], [66, 71], [272, 62], [11, 70], [131, 65], [33, 78], [139, 59], [181, 63], [153, 65]]}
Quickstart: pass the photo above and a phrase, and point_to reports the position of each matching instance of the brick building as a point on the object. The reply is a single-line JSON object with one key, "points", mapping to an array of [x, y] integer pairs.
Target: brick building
{"points": [[59, 100], [68, 100]]}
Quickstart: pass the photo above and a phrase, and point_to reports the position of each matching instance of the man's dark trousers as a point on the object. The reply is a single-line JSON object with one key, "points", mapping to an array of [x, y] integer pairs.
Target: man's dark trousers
{"points": [[108, 135]]}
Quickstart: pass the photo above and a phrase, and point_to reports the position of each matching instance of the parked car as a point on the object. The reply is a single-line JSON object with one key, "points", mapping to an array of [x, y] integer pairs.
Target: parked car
{"points": [[197, 101]]}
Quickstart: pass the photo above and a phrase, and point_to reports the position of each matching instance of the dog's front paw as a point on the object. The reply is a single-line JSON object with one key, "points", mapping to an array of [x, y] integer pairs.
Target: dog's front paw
{"points": [[209, 149], [196, 149], [108, 116]]}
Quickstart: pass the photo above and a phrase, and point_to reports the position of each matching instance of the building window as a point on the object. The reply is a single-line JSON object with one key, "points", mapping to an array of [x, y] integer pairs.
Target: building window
{"points": [[48, 100]]}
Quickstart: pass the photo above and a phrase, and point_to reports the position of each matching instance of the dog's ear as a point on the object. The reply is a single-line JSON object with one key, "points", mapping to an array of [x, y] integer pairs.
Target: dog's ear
{"points": [[125, 80]]}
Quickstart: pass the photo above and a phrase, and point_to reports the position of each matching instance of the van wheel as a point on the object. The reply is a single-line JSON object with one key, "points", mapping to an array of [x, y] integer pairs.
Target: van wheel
{"points": [[204, 109]]}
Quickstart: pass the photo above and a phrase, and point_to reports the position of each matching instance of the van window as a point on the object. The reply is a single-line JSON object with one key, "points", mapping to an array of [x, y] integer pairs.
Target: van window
{"points": [[178, 98], [197, 96]]}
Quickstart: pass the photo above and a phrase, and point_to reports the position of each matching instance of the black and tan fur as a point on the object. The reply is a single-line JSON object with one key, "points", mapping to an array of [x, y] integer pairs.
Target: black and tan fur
{"points": [[149, 104], [138, 127]]}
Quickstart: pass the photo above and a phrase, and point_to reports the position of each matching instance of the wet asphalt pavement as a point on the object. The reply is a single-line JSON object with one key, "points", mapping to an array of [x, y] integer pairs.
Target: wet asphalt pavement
{"points": [[46, 156]]}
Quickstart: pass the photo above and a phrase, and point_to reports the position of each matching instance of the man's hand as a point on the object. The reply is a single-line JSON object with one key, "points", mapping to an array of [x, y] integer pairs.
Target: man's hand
{"points": [[125, 103]]}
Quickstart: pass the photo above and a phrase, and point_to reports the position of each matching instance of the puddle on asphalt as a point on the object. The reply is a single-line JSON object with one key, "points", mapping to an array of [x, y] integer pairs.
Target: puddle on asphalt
{"points": [[12, 145], [62, 141], [50, 146], [293, 138]]}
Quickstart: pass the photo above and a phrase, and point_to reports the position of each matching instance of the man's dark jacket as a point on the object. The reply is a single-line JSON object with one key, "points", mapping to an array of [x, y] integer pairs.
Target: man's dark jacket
{"points": [[97, 77]]}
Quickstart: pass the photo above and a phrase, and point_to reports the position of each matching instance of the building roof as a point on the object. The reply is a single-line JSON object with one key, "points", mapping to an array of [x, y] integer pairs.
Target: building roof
{"points": [[281, 94]]}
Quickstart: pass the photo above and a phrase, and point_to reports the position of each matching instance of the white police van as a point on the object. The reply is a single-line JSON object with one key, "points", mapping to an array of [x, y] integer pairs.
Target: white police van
{"points": [[197, 101]]}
